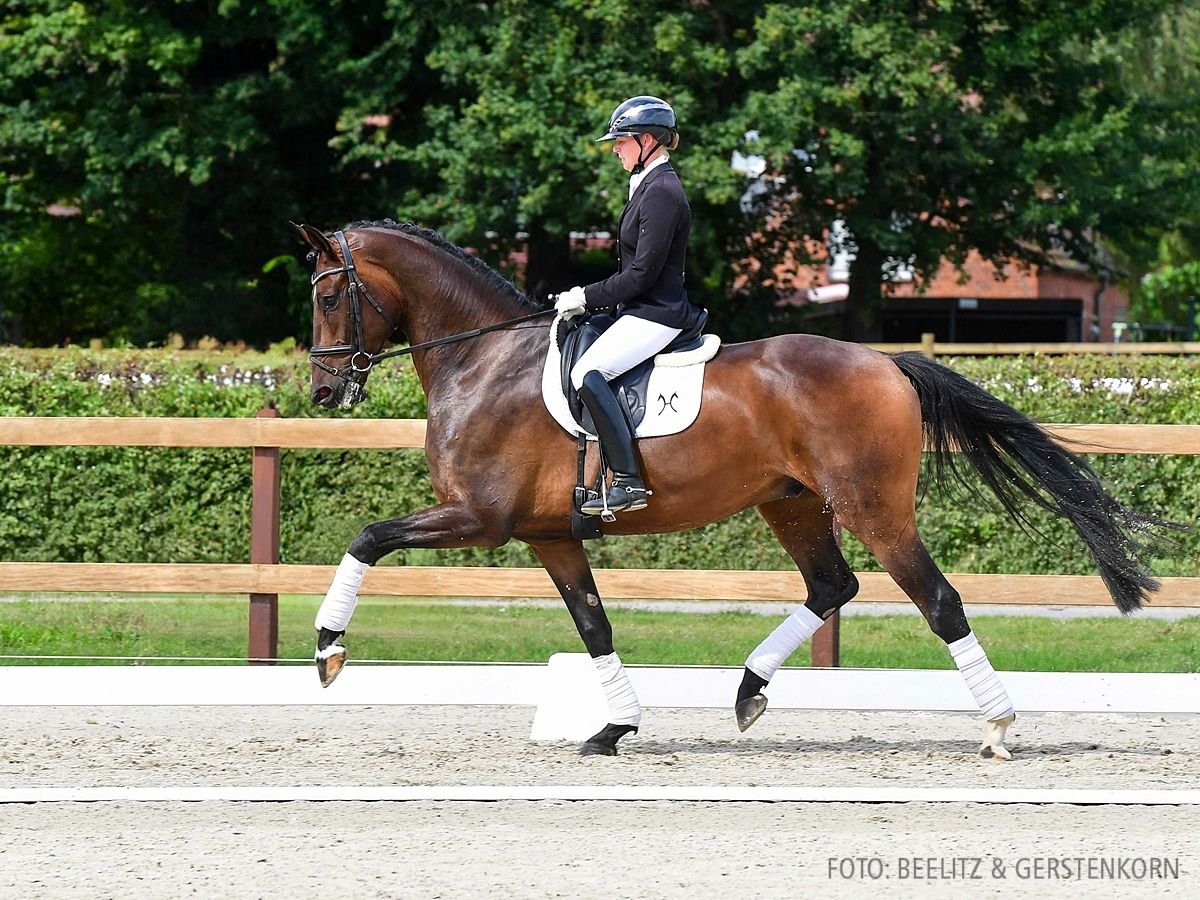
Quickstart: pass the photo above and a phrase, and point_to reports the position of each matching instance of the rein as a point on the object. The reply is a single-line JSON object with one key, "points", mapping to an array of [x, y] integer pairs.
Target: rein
{"points": [[461, 336], [358, 351]]}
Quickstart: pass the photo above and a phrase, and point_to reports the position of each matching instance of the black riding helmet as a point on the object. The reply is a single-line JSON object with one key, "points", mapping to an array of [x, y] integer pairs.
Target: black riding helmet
{"points": [[644, 115]]}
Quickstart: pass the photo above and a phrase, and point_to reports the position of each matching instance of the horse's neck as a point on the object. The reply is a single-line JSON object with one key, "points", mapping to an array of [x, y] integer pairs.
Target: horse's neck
{"points": [[447, 309], [444, 296], [481, 370], [457, 303]]}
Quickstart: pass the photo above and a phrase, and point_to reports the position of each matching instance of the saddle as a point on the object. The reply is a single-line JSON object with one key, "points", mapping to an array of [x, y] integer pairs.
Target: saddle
{"points": [[660, 396], [576, 335]]}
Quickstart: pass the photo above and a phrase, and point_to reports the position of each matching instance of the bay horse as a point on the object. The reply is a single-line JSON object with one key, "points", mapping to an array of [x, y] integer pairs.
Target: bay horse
{"points": [[816, 434]]}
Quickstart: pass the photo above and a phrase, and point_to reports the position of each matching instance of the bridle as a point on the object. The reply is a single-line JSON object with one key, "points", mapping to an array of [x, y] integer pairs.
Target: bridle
{"points": [[361, 361]]}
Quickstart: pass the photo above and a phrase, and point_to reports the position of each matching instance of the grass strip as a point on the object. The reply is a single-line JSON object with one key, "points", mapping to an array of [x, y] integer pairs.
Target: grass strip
{"points": [[387, 629]]}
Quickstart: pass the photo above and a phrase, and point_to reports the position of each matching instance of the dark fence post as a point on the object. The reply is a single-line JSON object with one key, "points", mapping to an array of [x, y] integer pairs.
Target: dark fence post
{"points": [[264, 547], [825, 642]]}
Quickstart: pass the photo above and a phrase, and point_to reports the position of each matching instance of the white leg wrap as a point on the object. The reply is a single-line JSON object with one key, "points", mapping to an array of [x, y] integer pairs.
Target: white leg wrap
{"points": [[783, 642], [623, 706], [981, 678], [342, 596]]}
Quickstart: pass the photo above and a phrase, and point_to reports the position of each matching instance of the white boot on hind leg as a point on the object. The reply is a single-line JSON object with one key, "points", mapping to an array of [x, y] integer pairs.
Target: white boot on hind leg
{"points": [[993, 738], [988, 692]]}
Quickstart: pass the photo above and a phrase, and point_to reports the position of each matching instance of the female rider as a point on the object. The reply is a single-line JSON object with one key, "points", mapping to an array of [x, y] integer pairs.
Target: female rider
{"points": [[647, 292]]}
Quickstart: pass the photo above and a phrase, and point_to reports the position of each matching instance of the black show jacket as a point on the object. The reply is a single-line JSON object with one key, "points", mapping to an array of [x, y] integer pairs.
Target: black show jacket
{"points": [[652, 242]]}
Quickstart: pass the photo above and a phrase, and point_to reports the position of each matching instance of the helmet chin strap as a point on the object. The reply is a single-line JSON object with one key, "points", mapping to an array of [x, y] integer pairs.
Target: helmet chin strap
{"points": [[644, 155]]}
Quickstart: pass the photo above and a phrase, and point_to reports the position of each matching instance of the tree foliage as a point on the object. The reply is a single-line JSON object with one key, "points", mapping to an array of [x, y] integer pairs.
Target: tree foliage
{"points": [[1170, 295], [152, 153], [933, 129]]}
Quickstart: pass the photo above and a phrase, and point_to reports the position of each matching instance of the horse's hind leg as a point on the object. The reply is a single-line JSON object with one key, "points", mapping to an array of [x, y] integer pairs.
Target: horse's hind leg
{"points": [[805, 527], [908, 562], [567, 564]]}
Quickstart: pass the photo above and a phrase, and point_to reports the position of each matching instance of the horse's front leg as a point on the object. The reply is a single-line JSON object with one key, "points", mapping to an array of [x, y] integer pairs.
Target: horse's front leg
{"points": [[439, 527], [567, 565]]}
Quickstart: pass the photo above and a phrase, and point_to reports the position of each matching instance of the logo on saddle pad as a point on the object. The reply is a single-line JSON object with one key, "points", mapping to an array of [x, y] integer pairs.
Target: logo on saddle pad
{"points": [[661, 395]]}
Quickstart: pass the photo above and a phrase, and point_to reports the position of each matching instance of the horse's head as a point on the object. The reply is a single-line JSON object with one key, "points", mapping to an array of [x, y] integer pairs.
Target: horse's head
{"points": [[345, 336]]}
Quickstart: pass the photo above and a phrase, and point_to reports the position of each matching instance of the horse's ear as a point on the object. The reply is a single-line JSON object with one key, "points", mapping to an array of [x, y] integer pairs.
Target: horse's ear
{"points": [[315, 238]]}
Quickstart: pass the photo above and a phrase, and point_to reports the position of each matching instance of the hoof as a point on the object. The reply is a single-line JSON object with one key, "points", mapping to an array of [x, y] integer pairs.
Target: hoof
{"points": [[592, 749], [748, 711], [604, 741], [330, 663], [1000, 752], [993, 739]]}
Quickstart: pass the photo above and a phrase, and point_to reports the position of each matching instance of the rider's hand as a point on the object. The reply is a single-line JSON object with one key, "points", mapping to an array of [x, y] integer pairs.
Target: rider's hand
{"points": [[571, 303]]}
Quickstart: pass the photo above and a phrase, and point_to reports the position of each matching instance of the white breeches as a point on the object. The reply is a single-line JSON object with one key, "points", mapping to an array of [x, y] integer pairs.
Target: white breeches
{"points": [[627, 342]]}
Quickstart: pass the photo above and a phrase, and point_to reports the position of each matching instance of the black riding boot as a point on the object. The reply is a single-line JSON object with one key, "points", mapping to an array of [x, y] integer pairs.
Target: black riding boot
{"points": [[627, 491]]}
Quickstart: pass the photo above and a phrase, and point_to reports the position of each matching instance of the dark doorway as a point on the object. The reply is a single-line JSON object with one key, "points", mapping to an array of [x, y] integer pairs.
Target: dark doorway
{"points": [[970, 321]]}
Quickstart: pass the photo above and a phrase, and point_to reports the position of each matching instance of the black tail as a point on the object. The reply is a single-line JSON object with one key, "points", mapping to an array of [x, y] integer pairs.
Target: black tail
{"points": [[1017, 458]]}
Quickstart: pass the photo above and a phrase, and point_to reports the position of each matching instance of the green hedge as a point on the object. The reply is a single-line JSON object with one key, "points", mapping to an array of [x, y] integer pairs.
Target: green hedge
{"points": [[179, 505]]}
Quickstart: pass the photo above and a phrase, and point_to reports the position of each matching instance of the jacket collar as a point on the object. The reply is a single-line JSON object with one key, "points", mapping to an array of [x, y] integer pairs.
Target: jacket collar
{"points": [[636, 181]]}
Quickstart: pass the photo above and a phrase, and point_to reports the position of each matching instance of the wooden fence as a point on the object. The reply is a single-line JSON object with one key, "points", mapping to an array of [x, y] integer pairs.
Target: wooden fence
{"points": [[931, 348], [264, 578]]}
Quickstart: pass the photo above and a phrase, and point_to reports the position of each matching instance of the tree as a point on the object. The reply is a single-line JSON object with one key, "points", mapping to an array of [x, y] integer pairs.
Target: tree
{"points": [[1163, 66], [1168, 297], [151, 154], [934, 128], [506, 136], [179, 139], [528, 86]]}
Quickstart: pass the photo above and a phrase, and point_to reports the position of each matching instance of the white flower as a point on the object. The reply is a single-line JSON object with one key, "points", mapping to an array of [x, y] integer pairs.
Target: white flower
{"points": [[1120, 386]]}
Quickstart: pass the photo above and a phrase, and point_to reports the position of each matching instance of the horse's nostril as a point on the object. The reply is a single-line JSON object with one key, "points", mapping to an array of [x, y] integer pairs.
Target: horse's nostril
{"points": [[322, 393]]}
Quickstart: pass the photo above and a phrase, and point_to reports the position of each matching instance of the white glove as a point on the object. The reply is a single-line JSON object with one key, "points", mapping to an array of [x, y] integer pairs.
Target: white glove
{"points": [[571, 303]]}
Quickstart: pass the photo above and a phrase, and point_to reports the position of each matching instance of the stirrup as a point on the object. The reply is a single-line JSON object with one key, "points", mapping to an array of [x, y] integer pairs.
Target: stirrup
{"points": [[621, 496]]}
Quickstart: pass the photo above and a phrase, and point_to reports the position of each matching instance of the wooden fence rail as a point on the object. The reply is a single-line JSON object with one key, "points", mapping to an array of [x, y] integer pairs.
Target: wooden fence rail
{"points": [[931, 347], [517, 582], [391, 434], [264, 578]]}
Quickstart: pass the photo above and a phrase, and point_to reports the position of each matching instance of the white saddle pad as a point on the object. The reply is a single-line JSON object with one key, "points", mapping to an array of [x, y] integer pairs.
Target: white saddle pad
{"points": [[673, 394]]}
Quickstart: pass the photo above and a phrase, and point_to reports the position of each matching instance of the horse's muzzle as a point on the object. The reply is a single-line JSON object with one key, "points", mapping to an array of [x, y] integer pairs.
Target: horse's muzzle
{"points": [[343, 395]]}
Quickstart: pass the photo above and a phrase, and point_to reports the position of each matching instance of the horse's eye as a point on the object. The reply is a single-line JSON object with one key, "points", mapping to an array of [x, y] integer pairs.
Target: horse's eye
{"points": [[329, 301]]}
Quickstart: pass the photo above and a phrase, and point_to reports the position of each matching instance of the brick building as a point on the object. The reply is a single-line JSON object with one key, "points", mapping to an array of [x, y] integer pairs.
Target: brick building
{"points": [[1063, 302]]}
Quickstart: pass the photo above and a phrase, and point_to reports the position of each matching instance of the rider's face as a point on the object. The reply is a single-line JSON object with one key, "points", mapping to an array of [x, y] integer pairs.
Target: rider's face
{"points": [[627, 149]]}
